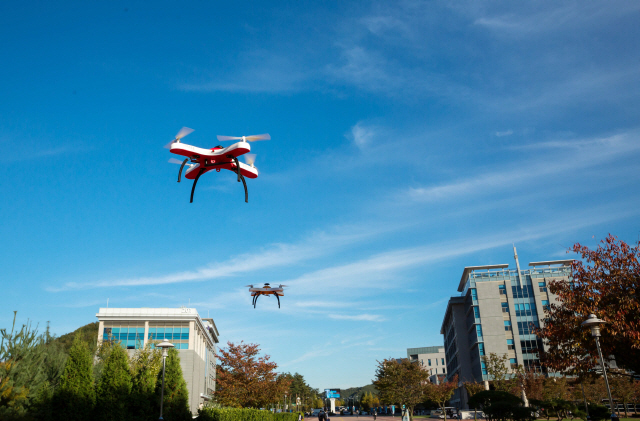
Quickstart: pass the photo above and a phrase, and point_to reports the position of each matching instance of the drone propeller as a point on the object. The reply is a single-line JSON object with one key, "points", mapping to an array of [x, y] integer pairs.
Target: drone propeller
{"points": [[248, 286], [252, 138], [174, 161], [284, 286], [182, 133], [250, 159]]}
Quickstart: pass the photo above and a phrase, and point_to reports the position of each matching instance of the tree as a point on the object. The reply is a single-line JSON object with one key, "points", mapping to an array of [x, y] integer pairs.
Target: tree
{"points": [[441, 393], [245, 380], [298, 388], [496, 404], [622, 389], [401, 383], [531, 382], [498, 371], [472, 389], [176, 395], [606, 285], [75, 398], [21, 369], [146, 363], [114, 387]]}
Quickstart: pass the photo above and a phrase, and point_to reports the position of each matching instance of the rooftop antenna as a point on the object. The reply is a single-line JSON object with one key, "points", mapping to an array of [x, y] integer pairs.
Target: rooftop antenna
{"points": [[515, 256]]}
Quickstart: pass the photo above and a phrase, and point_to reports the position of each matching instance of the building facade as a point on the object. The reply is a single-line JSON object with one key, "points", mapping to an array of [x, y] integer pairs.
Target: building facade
{"points": [[496, 312], [431, 358], [194, 337]]}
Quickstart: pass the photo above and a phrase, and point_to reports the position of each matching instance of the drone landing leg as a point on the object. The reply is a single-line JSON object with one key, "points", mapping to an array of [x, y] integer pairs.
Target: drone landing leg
{"points": [[241, 177], [278, 300], [255, 300], [181, 167], [193, 188]]}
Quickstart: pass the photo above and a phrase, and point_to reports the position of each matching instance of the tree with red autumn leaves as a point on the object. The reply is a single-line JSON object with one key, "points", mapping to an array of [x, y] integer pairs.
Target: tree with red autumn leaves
{"points": [[245, 380], [606, 283]]}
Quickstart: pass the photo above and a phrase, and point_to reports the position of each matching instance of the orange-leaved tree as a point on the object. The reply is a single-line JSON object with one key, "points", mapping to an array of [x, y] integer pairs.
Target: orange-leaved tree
{"points": [[246, 380], [606, 284]]}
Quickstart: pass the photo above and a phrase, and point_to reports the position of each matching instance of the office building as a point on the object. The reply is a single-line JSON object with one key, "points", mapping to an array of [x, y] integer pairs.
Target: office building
{"points": [[431, 358], [496, 312], [194, 337]]}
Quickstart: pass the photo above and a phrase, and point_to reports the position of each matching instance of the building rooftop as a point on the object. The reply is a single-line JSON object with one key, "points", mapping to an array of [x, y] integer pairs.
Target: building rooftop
{"points": [[425, 350], [469, 269], [159, 314]]}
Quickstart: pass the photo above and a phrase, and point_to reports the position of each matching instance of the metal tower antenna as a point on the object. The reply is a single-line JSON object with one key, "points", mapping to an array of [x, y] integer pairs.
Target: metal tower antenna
{"points": [[515, 256]]}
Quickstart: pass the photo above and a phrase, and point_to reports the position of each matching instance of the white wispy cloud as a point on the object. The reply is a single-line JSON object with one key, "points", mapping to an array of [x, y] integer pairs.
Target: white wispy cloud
{"points": [[358, 317], [363, 135], [588, 153], [275, 255], [385, 270], [504, 133]]}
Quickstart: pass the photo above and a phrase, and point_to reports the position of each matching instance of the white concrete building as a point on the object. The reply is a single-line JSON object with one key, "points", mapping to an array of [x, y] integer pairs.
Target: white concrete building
{"points": [[431, 358], [194, 337]]}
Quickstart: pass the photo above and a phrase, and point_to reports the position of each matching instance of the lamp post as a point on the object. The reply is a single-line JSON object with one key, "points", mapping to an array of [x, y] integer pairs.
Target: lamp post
{"points": [[164, 345], [594, 323]]}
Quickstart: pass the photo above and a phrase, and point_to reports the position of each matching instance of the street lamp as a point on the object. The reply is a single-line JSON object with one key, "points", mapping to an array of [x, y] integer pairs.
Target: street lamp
{"points": [[594, 323], [164, 345]]}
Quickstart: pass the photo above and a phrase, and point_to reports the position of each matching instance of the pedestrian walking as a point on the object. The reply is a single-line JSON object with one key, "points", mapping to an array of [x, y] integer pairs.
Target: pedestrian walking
{"points": [[375, 415]]}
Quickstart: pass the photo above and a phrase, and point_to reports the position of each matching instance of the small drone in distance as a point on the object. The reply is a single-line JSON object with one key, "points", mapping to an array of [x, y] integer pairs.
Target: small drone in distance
{"points": [[205, 160], [267, 289]]}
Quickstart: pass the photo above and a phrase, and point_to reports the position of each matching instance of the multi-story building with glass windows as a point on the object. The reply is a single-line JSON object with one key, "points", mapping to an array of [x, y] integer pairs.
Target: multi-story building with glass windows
{"points": [[194, 337], [431, 358], [496, 312]]}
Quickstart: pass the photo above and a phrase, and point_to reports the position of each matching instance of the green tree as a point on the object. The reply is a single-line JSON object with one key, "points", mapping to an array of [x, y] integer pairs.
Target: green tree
{"points": [[176, 395], [498, 371], [472, 389], [75, 397], [114, 388], [496, 404], [622, 389], [401, 383], [146, 363], [21, 371]]}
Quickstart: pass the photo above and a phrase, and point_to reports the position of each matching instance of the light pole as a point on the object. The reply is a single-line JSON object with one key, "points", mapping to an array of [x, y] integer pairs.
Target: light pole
{"points": [[164, 345], [594, 323]]}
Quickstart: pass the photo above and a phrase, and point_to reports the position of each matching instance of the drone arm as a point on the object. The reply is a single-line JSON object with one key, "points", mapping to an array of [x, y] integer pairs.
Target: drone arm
{"points": [[241, 177], [181, 167], [193, 188]]}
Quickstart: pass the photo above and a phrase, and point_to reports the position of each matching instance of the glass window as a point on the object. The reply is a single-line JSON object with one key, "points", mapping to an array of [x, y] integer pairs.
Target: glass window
{"points": [[545, 304], [483, 367], [481, 348], [476, 312], [442, 361], [507, 325], [510, 344], [479, 331], [505, 307], [474, 294], [542, 286], [502, 289], [513, 362], [429, 362]]}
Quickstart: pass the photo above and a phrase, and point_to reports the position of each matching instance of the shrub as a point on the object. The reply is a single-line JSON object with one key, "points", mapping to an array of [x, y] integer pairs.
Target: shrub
{"points": [[243, 414]]}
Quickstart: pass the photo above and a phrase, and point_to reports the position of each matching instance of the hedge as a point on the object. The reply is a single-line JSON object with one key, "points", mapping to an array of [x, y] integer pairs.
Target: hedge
{"points": [[244, 414]]}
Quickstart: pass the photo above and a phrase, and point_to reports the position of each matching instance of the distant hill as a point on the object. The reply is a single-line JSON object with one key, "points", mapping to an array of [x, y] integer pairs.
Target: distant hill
{"points": [[359, 391], [88, 333]]}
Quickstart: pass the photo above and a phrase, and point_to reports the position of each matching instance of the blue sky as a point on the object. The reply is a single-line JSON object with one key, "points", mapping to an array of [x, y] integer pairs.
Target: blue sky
{"points": [[409, 139]]}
